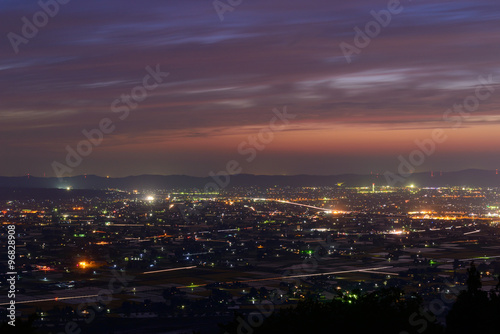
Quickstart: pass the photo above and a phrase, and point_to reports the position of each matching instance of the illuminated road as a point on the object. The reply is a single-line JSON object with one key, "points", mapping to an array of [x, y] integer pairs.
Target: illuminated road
{"points": [[166, 270], [292, 203], [56, 299], [366, 270], [374, 270], [304, 205]]}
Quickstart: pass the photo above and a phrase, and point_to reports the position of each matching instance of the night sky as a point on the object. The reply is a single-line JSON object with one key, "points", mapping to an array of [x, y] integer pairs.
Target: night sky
{"points": [[226, 77]]}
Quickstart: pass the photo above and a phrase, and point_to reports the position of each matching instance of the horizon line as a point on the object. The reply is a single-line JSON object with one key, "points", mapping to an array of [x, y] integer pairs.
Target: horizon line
{"points": [[240, 174]]}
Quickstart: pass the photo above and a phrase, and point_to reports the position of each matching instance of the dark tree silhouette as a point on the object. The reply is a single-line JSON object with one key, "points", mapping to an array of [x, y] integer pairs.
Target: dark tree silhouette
{"points": [[473, 280], [385, 311], [475, 311]]}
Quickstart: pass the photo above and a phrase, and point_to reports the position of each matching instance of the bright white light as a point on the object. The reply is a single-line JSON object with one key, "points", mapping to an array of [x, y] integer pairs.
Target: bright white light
{"points": [[150, 198]]}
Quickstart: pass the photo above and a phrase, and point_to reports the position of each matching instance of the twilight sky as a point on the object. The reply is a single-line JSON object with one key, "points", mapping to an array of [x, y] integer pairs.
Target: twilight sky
{"points": [[226, 77]]}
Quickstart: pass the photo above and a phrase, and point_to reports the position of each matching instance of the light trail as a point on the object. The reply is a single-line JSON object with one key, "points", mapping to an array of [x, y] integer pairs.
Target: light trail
{"points": [[478, 258], [370, 270], [55, 299], [374, 270], [166, 270], [379, 272], [365, 270], [305, 205], [292, 203]]}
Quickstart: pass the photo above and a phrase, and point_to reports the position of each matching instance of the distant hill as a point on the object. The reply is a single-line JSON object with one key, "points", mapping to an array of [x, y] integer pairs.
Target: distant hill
{"points": [[470, 177], [40, 194]]}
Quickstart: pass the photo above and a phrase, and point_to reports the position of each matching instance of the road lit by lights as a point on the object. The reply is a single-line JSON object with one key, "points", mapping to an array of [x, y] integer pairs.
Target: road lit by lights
{"points": [[473, 232], [374, 270], [166, 270], [50, 299]]}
